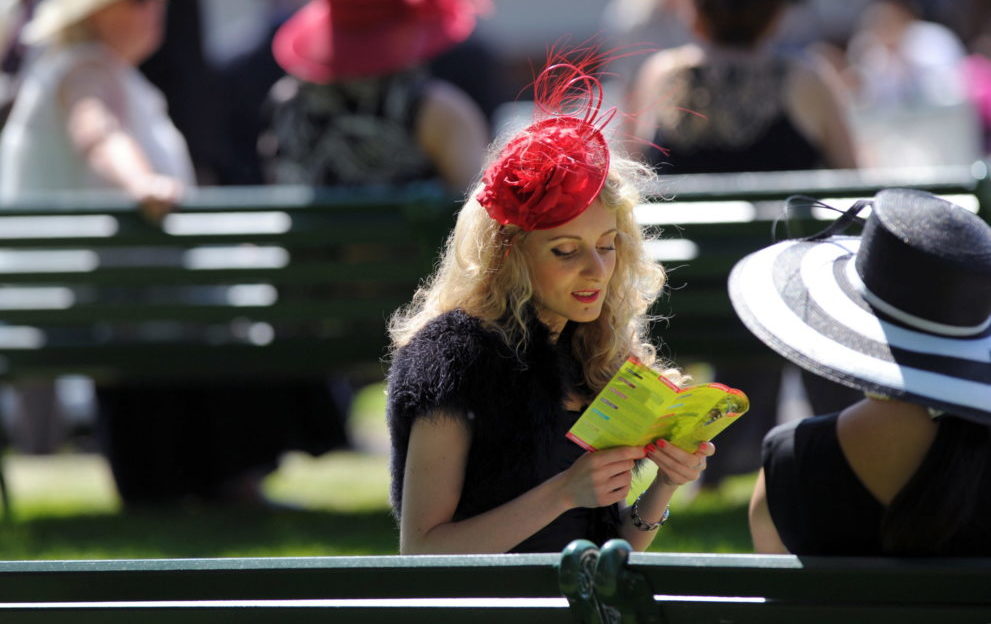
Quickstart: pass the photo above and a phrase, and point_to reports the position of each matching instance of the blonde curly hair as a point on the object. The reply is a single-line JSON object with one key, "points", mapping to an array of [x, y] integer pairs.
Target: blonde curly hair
{"points": [[484, 272]]}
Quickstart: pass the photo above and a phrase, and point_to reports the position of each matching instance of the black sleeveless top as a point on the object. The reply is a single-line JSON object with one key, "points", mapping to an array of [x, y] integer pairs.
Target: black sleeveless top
{"points": [[358, 132], [513, 404], [818, 504], [730, 116], [820, 507]]}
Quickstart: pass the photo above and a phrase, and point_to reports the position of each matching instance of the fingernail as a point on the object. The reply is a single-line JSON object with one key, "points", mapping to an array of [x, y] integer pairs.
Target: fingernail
{"points": [[662, 443]]}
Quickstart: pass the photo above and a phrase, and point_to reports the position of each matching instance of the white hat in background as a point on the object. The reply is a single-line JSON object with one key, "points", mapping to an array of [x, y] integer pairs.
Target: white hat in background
{"points": [[53, 16]]}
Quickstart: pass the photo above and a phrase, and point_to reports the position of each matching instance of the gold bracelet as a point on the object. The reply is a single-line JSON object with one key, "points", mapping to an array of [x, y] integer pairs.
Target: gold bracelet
{"points": [[643, 525]]}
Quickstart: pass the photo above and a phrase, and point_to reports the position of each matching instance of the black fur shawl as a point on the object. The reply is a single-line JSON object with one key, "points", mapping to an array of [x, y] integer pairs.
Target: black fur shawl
{"points": [[510, 401]]}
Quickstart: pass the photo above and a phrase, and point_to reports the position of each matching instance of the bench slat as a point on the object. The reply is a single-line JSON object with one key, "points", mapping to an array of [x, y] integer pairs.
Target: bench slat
{"points": [[893, 581], [465, 576], [372, 310], [304, 273], [282, 359], [820, 613], [294, 615]]}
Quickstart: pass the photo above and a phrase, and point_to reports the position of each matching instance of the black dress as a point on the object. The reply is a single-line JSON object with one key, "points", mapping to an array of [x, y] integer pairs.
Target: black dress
{"points": [[513, 405], [820, 507], [596, 524], [356, 133], [818, 504], [730, 115]]}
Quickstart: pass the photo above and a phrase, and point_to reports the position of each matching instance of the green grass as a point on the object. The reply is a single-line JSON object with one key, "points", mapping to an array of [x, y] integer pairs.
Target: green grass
{"points": [[65, 507]]}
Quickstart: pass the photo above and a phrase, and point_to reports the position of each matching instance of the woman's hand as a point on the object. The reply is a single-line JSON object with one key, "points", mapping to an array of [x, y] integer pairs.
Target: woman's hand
{"points": [[676, 466], [156, 194], [601, 478]]}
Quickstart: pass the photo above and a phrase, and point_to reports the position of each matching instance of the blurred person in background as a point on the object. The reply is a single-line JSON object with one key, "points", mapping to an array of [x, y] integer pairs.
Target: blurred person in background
{"points": [[731, 103], [977, 81], [906, 79], [897, 59], [358, 106], [13, 15], [85, 118], [658, 24]]}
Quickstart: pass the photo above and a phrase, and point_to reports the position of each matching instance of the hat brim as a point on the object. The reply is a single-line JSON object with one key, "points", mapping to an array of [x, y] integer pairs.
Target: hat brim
{"points": [[52, 17], [310, 47], [803, 299]]}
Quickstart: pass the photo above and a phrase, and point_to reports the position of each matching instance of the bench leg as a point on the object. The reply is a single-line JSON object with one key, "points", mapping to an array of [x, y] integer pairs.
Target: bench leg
{"points": [[575, 579], [601, 589], [623, 590]]}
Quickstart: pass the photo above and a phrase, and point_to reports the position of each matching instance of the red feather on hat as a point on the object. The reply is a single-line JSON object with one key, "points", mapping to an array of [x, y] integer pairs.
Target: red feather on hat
{"points": [[553, 170]]}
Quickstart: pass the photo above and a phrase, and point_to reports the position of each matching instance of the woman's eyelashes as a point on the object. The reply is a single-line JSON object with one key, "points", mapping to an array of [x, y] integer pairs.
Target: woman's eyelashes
{"points": [[568, 252]]}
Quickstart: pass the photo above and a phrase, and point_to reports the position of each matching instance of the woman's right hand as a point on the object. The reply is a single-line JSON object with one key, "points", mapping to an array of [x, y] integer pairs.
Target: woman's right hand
{"points": [[156, 194], [601, 478]]}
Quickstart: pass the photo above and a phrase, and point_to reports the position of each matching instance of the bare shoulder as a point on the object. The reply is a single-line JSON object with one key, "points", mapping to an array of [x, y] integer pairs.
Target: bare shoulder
{"points": [[452, 130], [443, 98], [660, 65], [812, 78], [816, 101]]}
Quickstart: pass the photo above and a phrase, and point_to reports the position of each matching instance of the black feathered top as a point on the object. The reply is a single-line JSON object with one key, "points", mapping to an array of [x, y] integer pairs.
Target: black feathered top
{"points": [[514, 406]]}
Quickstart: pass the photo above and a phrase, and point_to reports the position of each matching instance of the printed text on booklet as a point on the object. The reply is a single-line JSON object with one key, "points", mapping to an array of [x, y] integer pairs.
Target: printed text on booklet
{"points": [[639, 406]]}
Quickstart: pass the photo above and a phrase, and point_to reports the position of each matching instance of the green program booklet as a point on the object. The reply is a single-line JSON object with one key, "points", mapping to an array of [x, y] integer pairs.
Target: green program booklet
{"points": [[639, 406]]}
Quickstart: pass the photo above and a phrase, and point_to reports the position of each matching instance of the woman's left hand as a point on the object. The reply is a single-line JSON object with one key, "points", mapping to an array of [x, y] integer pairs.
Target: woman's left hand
{"points": [[676, 466]]}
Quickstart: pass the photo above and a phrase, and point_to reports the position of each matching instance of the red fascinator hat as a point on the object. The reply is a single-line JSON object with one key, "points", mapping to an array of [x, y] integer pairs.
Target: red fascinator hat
{"points": [[331, 40], [552, 170]]}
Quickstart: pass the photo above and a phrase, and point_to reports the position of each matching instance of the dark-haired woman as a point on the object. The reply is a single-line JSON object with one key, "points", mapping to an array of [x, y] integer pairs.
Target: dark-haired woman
{"points": [[903, 314], [732, 103]]}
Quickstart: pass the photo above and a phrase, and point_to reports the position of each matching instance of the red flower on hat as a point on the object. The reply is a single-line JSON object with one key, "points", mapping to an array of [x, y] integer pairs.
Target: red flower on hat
{"points": [[555, 168], [547, 176]]}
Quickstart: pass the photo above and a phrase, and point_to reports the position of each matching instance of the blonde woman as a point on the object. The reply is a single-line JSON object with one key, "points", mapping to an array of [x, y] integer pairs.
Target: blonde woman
{"points": [[541, 294]]}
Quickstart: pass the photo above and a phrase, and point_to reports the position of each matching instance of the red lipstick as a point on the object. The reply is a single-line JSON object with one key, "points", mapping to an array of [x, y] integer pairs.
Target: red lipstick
{"points": [[586, 296]]}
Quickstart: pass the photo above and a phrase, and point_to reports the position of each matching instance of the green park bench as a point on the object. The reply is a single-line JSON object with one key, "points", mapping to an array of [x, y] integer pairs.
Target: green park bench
{"points": [[293, 281], [581, 585]]}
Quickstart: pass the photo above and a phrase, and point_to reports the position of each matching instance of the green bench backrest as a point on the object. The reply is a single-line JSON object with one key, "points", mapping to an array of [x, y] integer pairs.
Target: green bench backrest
{"points": [[275, 281], [702, 322], [295, 281]]}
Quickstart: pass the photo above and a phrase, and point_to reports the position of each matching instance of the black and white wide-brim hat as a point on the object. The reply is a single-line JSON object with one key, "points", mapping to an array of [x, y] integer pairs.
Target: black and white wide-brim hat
{"points": [[903, 310]]}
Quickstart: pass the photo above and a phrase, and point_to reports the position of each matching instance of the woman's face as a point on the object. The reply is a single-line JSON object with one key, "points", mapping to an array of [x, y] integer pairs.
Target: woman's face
{"points": [[571, 265], [133, 28]]}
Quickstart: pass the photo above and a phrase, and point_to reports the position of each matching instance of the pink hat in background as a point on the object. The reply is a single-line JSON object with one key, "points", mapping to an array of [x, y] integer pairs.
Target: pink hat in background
{"points": [[332, 40]]}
